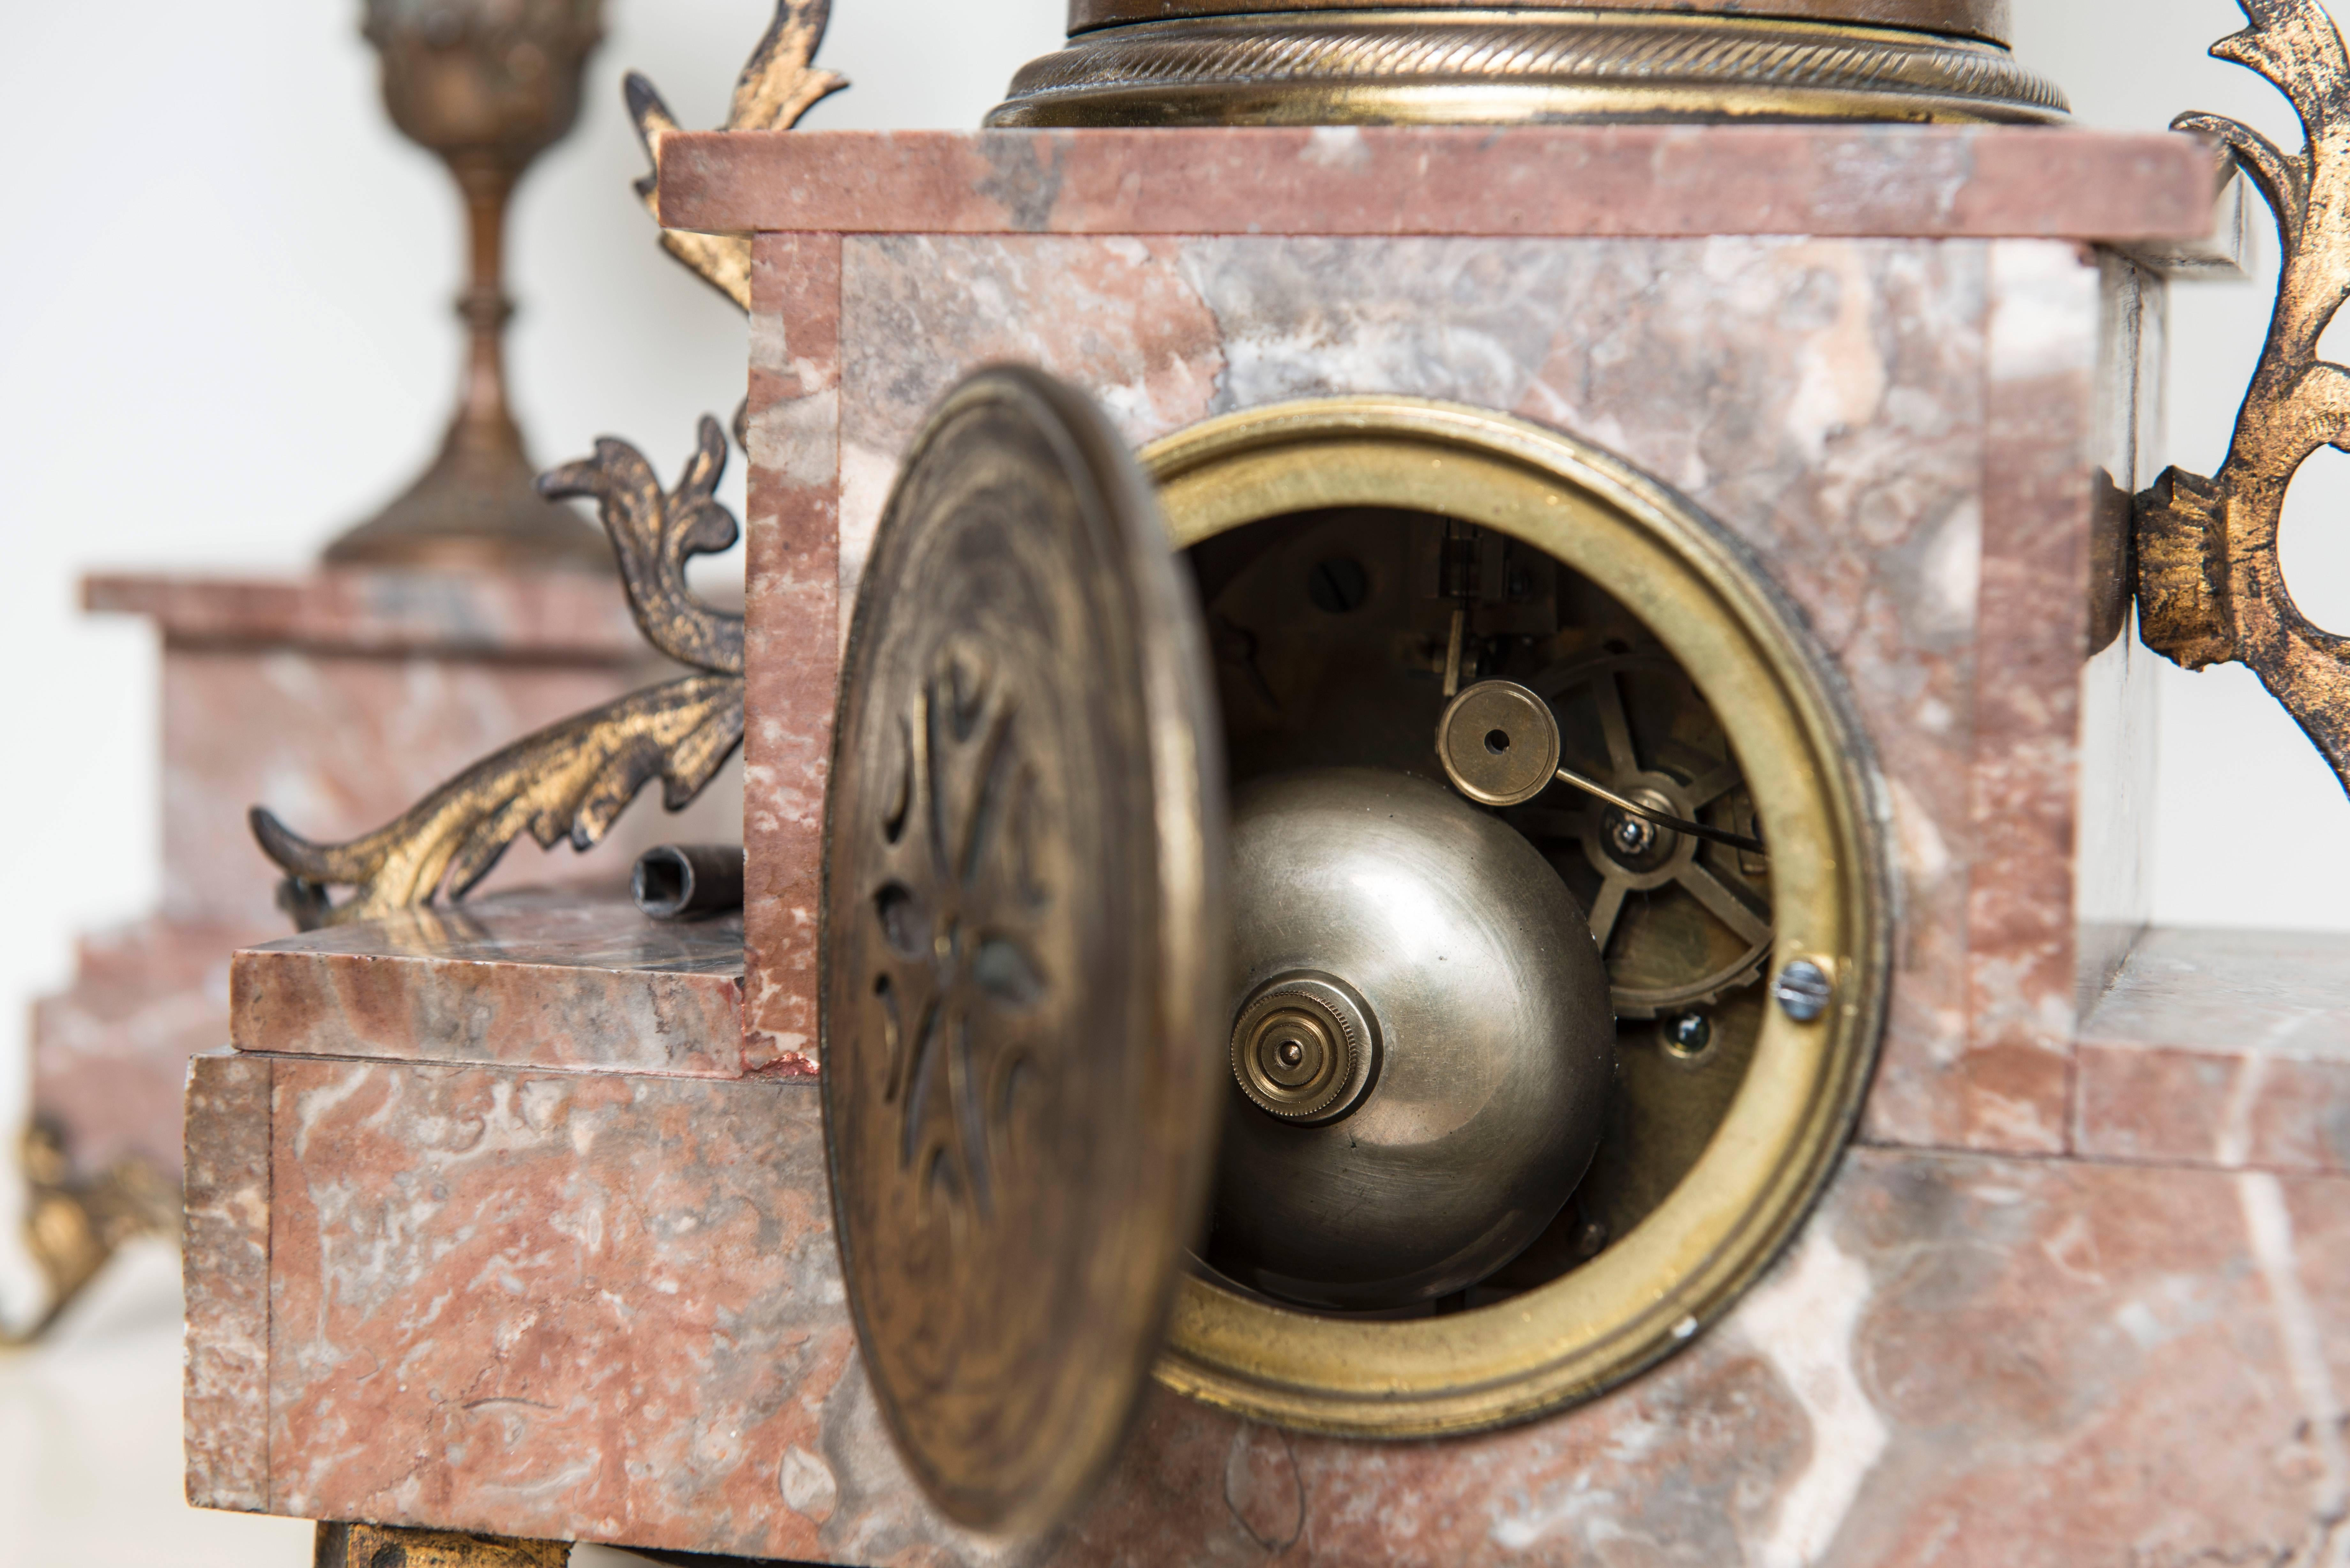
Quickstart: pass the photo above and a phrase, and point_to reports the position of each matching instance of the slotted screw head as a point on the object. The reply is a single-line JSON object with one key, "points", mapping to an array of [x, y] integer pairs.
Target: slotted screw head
{"points": [[1803, 990]]}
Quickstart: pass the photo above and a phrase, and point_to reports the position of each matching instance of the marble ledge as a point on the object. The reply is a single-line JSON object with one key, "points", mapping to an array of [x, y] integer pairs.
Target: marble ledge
{"points": [[540, 980], [615, 1309], [563, 615], [1925, 181], [2224, 1048]]}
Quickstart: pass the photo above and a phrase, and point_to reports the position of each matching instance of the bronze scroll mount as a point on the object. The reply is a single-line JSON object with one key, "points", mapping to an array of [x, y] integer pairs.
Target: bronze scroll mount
{"points": [[2211, 588], [573, 779], [780, 83]]}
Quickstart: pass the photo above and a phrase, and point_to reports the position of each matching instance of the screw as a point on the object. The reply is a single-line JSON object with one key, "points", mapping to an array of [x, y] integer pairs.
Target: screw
{"points": [[1689, 1034], [1291, 1053], [1634, 835], [1591, 1240], [1803, 991]]}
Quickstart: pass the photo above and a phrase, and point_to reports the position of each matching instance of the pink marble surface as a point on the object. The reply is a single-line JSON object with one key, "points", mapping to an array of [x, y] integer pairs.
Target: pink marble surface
{"points": [[605, 1307], [110, 1056], [1967, 1361], [1825, 400], [2007, 1086], [225, 1255], [2224, 1048], [337, 700], [792, 636], [558, 1305], [1979, 181], [538, 980], [579, 616]]}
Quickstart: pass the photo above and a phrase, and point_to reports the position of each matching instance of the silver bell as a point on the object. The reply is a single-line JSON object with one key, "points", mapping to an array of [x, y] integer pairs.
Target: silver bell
{"points": [[1421, 1044]]}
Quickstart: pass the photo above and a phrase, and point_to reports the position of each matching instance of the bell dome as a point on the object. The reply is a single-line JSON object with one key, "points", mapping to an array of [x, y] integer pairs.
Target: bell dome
{"points": [[1421, 1043]]}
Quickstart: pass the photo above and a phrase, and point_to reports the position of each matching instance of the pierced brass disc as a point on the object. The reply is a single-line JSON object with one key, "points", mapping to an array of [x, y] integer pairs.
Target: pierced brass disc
{"points": [[1684, 1258], [1023, 1018]]}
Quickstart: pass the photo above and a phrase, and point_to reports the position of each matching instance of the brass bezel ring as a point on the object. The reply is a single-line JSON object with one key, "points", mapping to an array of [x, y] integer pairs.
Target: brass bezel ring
{"points": [[1806, 759], [1450, 66]]}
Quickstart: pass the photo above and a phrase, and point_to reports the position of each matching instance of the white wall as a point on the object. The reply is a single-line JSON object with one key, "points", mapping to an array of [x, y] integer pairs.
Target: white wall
{"points": [[225, 335]]}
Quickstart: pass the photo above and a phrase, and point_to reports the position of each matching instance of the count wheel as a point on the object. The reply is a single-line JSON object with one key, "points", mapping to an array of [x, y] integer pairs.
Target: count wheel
{"points": [[1681, 922]]}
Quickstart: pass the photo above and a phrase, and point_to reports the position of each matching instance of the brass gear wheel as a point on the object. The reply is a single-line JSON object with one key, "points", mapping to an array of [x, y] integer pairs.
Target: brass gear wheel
{"points": [[1680, 922]]}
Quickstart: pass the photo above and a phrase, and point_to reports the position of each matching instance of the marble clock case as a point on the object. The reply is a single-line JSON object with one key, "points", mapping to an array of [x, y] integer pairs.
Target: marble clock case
{"points": [[521, 1226]]}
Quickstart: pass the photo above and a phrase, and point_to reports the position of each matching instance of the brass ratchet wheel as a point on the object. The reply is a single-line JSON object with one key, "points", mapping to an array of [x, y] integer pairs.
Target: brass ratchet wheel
{"points": [[1680, 922]]}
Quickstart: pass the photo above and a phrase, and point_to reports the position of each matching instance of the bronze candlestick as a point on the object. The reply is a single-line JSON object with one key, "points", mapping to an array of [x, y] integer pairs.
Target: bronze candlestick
{"points": [[488, 85]]}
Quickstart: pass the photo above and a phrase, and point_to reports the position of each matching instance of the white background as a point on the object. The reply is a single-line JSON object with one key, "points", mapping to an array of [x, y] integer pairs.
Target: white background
{"points": [[225, 335]]}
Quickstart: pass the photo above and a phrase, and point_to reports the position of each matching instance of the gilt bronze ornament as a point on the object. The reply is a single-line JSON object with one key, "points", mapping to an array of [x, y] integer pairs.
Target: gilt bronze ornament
{"points": [[385, 1546], [2211, 588], [488, 85], [1339, 62], [74, 1224], [778, 85], [573, 779]]}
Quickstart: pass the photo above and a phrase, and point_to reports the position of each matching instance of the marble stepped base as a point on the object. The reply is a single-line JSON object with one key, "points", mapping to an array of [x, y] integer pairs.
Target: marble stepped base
{"points": [[337, 700], [602, 1303]]}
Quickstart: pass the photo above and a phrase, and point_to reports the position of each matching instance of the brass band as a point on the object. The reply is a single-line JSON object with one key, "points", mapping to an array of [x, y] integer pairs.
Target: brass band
{"points": [[1984, 19], [1430, 66]]}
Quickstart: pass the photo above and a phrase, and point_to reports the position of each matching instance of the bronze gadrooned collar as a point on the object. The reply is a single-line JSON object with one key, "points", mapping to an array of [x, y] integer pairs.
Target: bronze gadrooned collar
{"points": [[1346, 62]]}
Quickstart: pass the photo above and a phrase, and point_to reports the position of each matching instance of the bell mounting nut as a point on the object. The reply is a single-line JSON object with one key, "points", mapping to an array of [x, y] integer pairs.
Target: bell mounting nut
{"points": [[1305, 1048]]}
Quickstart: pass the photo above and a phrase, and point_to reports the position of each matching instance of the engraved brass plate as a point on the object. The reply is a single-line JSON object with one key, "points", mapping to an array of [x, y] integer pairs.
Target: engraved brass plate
{"points": [[1023, 1024]]}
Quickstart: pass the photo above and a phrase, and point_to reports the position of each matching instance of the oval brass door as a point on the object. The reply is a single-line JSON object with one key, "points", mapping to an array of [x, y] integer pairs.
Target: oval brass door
{"points": [[1023, 964]]}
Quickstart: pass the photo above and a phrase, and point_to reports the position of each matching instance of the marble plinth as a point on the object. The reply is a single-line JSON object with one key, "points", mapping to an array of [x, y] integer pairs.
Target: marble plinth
{"points": [[526, 980], [603, 1304], [337, 700], [2222, 1048]]}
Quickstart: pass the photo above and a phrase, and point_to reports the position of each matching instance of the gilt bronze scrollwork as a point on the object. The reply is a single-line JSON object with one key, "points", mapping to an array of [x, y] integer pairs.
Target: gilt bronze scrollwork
{"points": [[780, 84], [573, 779], [2211, 588]]}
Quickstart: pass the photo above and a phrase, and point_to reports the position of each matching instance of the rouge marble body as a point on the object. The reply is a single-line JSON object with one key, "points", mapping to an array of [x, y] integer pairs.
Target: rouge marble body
{"points": [[2077, 1297]]}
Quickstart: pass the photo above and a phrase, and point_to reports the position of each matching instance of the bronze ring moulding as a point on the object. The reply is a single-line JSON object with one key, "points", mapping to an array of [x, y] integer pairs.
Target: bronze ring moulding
{"points": [[1332, 62]]}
